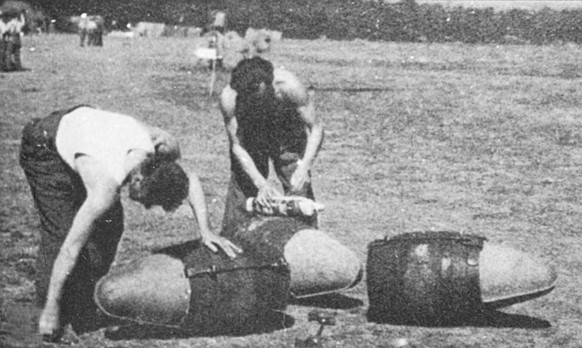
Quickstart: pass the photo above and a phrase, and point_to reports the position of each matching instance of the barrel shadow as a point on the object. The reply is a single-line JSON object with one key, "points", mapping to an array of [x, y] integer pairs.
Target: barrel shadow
{"points": [[178, 251], [497, 319], [331, 301], [491, 318], [270, 323]]}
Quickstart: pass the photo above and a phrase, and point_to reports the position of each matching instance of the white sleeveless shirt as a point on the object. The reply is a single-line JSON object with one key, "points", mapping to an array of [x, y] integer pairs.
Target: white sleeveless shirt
{"points": [[105, 136]]}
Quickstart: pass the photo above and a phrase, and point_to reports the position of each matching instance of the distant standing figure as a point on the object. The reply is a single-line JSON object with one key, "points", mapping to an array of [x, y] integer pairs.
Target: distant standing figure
{"points": [[11, 24], [52, 26], [269, 115], [216, 41], [91, 28], [76, 161], [217, 21]]}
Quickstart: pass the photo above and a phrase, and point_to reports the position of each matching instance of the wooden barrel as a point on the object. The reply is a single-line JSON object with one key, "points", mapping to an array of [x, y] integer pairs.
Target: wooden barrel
{"points": [[190, 288], [424, 278], [440, 278], [319, 264]]}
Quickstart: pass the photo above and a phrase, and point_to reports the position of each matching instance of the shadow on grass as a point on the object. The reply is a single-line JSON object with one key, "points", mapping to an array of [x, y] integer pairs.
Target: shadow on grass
{"points": [[487, 318], [498, 319], [270, 323], [331, 301], [12, 71]]}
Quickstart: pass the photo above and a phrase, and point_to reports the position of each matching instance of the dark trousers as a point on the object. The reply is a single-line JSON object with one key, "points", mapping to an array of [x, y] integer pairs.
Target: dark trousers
{"points": [[10, 46], [82, 35], [240, 188], [58, 193], [3, 55]]}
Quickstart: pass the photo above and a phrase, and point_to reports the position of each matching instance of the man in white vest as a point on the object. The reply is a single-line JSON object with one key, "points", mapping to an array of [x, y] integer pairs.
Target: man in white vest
{"points": [[76, 162]]}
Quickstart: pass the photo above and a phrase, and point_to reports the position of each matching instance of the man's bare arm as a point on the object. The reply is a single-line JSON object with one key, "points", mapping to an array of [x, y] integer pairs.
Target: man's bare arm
{"points": [[314, 129], [102, 193], [198, 205], [227, 106], [289, 88]]}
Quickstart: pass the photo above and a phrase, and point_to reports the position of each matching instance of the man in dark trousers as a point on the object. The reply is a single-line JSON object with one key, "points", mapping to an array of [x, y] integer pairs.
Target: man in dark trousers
{"points": [[76, 162], [12, 22], [269, 115]]}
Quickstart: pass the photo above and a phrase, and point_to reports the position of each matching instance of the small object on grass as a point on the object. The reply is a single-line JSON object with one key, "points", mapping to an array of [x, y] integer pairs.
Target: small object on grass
{"points": [[324, 319], [401, 342]]}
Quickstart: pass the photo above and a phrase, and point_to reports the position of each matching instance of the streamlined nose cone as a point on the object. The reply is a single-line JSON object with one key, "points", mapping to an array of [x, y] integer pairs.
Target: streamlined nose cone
{"points": [[320, 264], [509, 276], [152, 290]]}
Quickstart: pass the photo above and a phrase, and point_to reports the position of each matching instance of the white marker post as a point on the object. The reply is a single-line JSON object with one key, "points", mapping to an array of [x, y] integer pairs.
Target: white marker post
{"points": [[212, 55]]}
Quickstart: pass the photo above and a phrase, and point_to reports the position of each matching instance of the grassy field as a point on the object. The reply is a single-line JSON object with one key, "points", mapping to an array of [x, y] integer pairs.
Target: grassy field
{"points": [[481, 139]]}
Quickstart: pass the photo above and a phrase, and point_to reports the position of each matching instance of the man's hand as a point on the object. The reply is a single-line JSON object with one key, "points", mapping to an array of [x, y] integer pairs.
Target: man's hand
{"points": [[166, 145], [48, 325], [266, 194], [211, 241], [299, 179]]}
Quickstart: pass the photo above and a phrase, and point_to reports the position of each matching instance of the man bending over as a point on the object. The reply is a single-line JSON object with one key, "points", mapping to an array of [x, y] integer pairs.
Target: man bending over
{"points": [[76, 162]]}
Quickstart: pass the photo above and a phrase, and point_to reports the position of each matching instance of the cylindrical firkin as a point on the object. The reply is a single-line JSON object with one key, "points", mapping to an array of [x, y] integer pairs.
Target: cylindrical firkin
{"points": [[440, 278], [426, 278], [188, 287], [319, 264]]}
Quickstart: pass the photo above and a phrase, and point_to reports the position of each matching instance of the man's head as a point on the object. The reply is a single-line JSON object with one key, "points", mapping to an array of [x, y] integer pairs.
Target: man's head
{"points": [[258, 40], [162, 183], [252, 77]]}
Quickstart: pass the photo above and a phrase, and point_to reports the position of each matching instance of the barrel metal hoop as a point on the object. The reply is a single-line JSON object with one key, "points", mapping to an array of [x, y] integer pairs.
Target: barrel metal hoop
{"points": [[419, 237], [189, 272]]}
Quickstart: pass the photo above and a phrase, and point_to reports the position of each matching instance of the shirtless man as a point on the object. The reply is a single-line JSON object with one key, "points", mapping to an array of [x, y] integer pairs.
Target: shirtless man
{"points": [[268, 114], [76, 162]]}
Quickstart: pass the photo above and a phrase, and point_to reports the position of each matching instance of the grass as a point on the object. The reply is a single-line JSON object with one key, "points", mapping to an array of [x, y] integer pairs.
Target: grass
{"points": [[478, 138]]}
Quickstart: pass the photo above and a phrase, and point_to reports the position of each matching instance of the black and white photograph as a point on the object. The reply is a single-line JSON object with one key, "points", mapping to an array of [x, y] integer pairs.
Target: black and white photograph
{"points": [[293, 173]]}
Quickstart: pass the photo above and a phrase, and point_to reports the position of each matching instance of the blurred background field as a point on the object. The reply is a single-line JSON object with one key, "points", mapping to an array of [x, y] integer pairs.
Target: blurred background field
{"points": [[485, 139]]}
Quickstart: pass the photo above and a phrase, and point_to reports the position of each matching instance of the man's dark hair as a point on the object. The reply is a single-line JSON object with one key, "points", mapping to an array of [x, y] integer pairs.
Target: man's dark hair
{"points": [[164, 183], [249, 73]]}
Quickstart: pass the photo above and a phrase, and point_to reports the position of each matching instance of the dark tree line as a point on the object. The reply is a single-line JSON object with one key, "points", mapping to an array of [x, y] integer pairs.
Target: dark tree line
{"points": [[406, 21]]}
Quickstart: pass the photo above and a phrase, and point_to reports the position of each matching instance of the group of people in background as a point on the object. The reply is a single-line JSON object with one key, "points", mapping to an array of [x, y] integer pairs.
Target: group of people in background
{"points": [[90, 28]]}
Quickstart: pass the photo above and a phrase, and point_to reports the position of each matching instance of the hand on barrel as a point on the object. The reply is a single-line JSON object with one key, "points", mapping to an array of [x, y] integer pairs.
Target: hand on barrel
{"points": [[213, 241], [299, 179], [267, 193]]}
